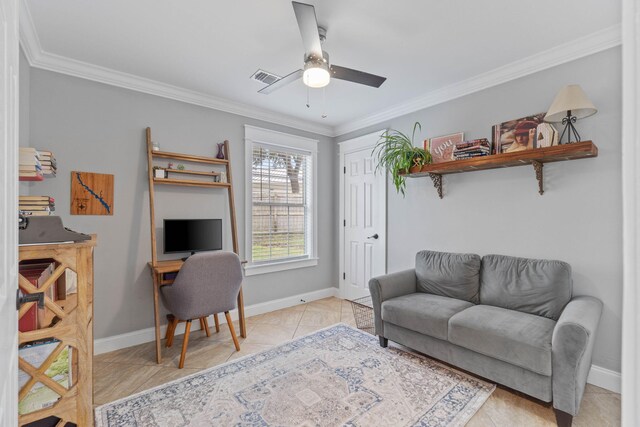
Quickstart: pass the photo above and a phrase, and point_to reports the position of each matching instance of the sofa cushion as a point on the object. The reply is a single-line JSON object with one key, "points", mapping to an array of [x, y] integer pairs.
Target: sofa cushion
{"points": [[425, 313], [448, 274], [532, 286], [520, 339]]}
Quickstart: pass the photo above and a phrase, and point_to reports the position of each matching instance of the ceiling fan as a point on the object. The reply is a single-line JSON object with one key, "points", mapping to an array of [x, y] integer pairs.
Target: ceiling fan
{"points": [[317, 72]]}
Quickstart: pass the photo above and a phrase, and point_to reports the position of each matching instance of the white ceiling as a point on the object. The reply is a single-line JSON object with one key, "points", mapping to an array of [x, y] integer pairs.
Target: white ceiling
{"points": [[213, 47]]}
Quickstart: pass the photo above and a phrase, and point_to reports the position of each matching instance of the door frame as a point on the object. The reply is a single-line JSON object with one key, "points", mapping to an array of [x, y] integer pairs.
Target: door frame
{"points": [[8, 217], [630, 212], [361, 143]]}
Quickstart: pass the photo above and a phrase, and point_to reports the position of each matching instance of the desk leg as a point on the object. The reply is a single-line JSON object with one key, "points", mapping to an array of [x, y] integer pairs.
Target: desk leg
{"points": [[243, 326], [156, 314]]}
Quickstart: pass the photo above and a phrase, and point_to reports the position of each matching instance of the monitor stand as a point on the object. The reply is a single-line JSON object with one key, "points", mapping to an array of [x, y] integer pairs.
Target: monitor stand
{"points": [[185, 258]]}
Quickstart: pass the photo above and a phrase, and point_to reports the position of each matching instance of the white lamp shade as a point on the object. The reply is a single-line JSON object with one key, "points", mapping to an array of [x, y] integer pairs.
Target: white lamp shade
{"points": [[572, 98]]}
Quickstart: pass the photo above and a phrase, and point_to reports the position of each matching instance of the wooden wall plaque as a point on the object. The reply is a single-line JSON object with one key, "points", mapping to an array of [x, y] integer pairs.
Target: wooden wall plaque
{"points": [[91, 193]]}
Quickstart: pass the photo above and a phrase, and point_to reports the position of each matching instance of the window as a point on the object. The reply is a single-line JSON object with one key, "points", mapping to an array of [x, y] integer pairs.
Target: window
{"points": [[280, 201]]}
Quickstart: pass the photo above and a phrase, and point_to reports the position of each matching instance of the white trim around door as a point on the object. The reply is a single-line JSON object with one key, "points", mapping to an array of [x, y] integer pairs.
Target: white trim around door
{"points": [[9, 64], [365, 142], [631, 213]]}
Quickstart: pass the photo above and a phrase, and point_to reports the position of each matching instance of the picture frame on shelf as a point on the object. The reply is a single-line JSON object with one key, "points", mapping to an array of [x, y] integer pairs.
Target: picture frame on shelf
{"points": [[441, 147], [518, 134]]}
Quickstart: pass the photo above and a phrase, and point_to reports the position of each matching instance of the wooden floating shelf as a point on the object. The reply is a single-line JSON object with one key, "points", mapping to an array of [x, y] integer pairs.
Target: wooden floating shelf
{"points": [[188, 158], [190, 183], [536, 157], [188, 172]]}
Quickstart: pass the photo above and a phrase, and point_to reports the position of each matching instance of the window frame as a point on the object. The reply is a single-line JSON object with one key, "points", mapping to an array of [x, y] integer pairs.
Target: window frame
{"points": [[279, 140]]}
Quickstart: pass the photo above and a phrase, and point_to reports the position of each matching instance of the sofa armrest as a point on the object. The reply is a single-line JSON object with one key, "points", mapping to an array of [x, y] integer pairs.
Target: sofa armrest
{"points": [[390, 286], [571, 349]]}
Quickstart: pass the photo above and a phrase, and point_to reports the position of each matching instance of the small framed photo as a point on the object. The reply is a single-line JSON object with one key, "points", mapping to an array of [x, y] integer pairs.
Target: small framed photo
{"points": [[441, 147], [517, 135]]}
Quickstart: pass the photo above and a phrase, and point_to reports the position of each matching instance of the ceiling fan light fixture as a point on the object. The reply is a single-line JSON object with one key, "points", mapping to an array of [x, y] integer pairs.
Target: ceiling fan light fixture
{"points": [[316, 73]]}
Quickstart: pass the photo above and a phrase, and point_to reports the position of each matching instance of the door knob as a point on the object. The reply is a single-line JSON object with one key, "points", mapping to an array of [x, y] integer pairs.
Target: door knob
{"points": [[375, 236]]}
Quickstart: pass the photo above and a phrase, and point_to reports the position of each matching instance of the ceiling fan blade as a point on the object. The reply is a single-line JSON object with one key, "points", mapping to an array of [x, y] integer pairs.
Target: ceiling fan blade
{"points": [[308, 24], [289, 78], [356, 76]]}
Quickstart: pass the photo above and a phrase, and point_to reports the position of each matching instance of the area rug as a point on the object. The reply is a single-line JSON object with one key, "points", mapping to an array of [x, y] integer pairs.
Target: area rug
{"points": [[338, 376]]}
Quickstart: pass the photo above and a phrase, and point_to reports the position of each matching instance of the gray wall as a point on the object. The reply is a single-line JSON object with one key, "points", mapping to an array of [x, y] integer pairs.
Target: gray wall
{"points": [[98, 128], [579, 217]]}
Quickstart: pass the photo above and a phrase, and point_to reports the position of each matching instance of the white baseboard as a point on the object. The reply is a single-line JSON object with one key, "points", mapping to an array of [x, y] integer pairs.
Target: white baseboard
{"points": [[605, 378], [116, 342]]}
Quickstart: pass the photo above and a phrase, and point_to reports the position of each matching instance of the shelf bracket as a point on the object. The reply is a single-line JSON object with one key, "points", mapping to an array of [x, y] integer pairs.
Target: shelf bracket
{"points": [[437, 182], [537, 166]]}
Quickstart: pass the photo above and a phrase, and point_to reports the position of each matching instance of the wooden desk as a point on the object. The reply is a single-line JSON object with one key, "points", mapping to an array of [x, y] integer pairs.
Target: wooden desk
{"points": [[173, 266]]}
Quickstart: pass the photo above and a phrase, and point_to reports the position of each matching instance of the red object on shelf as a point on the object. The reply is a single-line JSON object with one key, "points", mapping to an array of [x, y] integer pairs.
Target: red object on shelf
{"points": [[29, 322], [31, 178]]}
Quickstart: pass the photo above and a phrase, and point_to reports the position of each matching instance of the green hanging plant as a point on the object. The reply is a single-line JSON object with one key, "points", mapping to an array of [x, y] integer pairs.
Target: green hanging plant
{"points": [[396, 153]]}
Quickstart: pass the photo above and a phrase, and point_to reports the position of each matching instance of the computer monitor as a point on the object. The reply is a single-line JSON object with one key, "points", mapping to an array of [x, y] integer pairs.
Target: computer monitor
{"points": [[192, 235]]}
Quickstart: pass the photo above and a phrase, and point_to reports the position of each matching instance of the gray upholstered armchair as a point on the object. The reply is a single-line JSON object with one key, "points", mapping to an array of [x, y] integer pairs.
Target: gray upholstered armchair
{"points": [[208, 283]]}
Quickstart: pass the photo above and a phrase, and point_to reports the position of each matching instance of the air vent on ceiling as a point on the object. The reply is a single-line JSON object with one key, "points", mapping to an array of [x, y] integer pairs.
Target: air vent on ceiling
{"points": [[265, 77]]}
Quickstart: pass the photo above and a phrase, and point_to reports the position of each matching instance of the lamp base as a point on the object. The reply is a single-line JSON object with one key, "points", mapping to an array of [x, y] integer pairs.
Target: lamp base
{"points": [[569, 129]]}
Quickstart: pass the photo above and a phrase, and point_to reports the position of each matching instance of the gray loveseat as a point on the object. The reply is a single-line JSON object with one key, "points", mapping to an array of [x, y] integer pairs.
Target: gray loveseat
{"points": [[511, 320]]}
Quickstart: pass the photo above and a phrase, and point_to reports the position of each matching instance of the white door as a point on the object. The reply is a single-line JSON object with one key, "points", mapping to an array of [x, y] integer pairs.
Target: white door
{"points": [[9, 62], [364, 217]]}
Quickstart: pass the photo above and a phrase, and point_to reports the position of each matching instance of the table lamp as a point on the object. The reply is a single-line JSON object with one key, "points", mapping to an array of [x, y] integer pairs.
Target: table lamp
{"points": [[570, 104]]}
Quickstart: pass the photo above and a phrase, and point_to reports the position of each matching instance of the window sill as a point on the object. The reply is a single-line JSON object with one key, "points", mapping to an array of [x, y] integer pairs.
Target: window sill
{"points": [[255, 269]]}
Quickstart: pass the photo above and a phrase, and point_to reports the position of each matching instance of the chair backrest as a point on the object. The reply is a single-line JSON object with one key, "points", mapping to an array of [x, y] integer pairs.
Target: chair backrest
{"points": [[207, 283]]}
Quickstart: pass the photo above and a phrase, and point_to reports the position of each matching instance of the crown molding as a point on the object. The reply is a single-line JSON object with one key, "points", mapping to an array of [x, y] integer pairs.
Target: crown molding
{"points": [[567, 52], [38, 58]]}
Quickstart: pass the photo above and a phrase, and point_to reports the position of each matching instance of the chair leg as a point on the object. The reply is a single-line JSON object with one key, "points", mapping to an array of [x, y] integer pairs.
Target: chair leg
{"points": [[201, 323], [171, 330], [215, 319], [233, 332], [204, 324], [185, 343], [170, 318]]}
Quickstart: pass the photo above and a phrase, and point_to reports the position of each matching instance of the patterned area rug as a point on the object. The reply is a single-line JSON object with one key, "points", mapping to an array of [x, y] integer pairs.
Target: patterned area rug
{"points": [[338, 376]]}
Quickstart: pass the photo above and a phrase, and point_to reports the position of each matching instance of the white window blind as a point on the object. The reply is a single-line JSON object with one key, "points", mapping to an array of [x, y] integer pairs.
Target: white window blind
{"points": [[281, 196]]}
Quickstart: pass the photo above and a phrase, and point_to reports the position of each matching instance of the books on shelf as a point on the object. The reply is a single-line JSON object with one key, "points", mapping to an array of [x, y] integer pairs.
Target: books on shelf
{"points": [[60, 370], [36, 205], [35, 165], [471, 149]]}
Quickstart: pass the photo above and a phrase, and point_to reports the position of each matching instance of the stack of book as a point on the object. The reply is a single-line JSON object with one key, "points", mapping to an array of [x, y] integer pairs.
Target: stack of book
{"points": [[30, 167], [470, 149], [47, 163], [36, 205], [35, 165]]}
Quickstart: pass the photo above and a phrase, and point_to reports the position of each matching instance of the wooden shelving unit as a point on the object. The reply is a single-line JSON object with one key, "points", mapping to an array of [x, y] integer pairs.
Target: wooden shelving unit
{"points": [[190, 183], [188, 172], [159, 267], [537, 158], [74, 329], [189, 157], [228, 185]]}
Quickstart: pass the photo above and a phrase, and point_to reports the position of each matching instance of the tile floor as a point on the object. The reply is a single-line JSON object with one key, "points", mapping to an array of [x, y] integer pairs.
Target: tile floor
{"points": [[131, 370]]}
